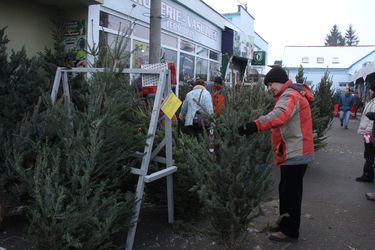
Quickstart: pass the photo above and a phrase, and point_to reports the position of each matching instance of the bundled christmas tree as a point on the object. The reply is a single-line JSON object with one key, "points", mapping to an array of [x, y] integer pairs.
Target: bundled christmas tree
{"points": [[322, 111], [232, 182]]}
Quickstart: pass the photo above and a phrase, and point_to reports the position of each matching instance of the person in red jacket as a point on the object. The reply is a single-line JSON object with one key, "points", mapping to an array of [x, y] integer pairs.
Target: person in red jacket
{"points": [[292, 138], [217, 95]]}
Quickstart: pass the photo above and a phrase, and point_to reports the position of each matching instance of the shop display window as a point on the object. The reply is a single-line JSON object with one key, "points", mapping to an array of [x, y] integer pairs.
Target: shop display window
{"points": [[214, 55], [203, 52], [169, 55], [141, 32], [187, 46], [141, 52], [168, 40], [214, 70], [202, 69], [113, 22], [186, 68], [112, 41]]}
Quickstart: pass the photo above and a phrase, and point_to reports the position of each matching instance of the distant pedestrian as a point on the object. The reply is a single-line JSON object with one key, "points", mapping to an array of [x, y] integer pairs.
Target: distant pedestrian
{"points": [[336, 98], [291, 124], [217, 94], [366, 129], [346, 102]]}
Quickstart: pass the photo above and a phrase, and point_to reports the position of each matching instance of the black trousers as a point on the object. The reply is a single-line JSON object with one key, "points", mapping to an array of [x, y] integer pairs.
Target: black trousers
{"points": [[290, 196], [369, 155]]}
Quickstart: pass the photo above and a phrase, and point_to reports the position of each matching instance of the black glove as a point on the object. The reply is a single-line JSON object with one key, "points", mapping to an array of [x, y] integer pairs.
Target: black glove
{"points": [[248, 128], [371, 115]]}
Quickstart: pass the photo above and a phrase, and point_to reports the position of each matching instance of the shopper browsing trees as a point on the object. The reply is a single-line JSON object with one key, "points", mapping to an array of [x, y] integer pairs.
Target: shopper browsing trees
{"points": [[292, 137]]}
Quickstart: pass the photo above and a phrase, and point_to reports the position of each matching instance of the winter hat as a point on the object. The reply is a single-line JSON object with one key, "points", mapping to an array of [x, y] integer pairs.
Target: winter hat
{"points": [[372, 86], [218, 80], [276, 74]]}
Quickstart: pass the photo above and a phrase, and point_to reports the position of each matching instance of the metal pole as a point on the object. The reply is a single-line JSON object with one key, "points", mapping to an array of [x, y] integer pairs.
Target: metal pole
{"points": [[155, 31]]}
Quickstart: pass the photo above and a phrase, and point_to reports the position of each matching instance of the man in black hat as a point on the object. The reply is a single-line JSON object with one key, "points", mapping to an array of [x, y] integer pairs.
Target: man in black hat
{"points": [[292, 138]]}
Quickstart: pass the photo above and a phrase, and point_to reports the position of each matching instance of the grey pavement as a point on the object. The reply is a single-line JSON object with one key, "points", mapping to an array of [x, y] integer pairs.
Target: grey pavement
{"points": [[335, 212]]}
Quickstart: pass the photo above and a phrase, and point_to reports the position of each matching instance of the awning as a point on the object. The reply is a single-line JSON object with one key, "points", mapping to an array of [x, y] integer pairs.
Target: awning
{"points": [[366, 70]]}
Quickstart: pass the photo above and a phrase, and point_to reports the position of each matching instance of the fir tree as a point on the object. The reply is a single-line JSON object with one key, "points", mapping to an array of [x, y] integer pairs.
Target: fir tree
{"points": [[3, 55], [232, 182], [322, 111], [73, 163], [22, 81], [350, 37], [299, 77], [334, 38]]}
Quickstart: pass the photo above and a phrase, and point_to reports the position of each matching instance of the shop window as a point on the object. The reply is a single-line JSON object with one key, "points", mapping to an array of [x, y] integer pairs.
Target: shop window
{"points": [[320, 60], [201, 69], [141, 32], [335, 60], [305, 60], [110, 41], [186, 68], [141, 52], [214, 70], [168, 40], [203, 52], [169, 55], [113, 22], [187, 46], [214, 55]]}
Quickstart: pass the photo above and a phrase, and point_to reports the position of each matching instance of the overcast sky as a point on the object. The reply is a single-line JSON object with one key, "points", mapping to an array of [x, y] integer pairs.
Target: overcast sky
{"points": [[296, 22]]}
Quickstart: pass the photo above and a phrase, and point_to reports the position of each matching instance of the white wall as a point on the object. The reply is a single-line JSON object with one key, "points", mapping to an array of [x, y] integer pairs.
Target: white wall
{"points": [[28, 26], [316, 76]]}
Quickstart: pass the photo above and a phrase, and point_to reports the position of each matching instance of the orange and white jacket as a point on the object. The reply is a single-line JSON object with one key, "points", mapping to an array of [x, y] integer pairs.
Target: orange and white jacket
{"points": [[291, 124]]}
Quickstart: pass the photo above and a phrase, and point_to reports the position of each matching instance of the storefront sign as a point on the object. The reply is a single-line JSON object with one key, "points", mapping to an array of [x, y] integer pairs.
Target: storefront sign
{"points": [[175, 18]]}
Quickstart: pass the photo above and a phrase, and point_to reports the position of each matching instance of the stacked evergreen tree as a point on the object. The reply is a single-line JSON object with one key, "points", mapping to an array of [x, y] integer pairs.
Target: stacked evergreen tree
{"points": [[74, 164], [22, 81], [322, 111], [232, 182]]}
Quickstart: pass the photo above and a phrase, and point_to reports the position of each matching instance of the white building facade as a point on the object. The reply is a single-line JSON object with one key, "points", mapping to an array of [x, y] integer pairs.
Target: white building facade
{"points": [[340, 62]]}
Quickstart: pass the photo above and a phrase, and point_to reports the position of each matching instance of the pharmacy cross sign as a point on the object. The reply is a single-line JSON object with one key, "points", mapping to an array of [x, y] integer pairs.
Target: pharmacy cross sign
{"points": [[259, 58]]}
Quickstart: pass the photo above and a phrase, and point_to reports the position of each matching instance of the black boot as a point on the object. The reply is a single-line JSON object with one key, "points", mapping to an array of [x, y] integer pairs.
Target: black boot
{"points": [[364, 178]]}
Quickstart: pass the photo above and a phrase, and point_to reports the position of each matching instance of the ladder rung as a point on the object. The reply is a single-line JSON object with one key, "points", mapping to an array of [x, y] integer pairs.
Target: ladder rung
{"points": [[136, 171], [160, 174]]}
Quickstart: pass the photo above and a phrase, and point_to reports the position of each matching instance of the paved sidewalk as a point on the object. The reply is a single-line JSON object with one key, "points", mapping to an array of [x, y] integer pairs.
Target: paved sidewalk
{"points": [[335, 214]]}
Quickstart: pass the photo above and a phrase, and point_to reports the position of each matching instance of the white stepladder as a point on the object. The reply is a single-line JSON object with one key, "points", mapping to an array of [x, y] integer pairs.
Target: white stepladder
{"points": [[164, 89]]}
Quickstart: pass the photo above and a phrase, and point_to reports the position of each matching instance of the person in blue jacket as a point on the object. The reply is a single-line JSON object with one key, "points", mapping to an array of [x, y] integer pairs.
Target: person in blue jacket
{"points": [[346, 102]]}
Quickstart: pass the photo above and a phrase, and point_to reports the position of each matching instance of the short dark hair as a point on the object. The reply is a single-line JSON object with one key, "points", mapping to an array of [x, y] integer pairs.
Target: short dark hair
{"points": [[218, 79]]}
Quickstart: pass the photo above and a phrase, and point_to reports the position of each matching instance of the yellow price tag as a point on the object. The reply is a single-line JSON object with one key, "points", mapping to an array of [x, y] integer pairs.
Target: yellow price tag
{"points": [[170, 105]]}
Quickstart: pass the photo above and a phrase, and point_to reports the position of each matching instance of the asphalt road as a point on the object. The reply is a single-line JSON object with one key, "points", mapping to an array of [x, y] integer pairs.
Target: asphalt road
{"points": [[336, 214]]}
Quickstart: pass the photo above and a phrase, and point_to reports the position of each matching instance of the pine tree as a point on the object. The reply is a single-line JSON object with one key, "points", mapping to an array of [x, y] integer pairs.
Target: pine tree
{"points": [[299, 77], [334, 38], [3, 55], [350, 37], [322, 111], [73, 164], [22, 81], [233, 181]]}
